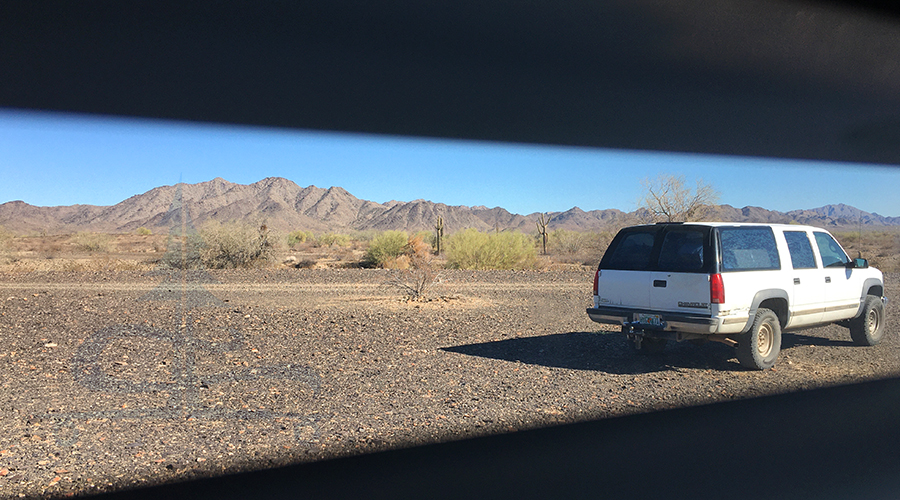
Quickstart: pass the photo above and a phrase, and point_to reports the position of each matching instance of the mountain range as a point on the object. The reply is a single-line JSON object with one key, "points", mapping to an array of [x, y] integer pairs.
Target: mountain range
{"points": [[283, 205]]}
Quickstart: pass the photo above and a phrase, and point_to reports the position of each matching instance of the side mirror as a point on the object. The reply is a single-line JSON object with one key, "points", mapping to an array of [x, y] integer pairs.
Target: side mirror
{"points": [[859, 263]]}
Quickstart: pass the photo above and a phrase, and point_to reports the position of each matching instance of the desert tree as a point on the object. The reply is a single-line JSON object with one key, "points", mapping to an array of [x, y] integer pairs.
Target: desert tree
{"points": [[668, 198]]}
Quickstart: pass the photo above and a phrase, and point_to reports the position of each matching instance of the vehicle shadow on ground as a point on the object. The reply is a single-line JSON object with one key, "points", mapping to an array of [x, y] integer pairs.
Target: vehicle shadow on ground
{"points": [[789, 340], [611, 353]]}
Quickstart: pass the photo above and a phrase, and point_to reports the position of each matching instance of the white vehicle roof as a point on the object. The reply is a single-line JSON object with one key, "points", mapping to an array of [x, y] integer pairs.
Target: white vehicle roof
{"points": [[788, 227]]}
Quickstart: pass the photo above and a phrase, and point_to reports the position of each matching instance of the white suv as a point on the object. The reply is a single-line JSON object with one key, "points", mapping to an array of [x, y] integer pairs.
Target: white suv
{"points": [[740, 284]]}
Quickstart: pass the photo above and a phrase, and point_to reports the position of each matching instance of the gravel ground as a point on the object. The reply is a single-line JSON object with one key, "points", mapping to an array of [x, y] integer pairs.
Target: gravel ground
{"points": [[114, 380]]}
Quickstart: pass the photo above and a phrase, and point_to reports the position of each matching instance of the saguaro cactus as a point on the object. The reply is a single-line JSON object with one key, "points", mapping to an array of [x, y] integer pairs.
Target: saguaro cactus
{"points": [[542, 223], [438, 234]]}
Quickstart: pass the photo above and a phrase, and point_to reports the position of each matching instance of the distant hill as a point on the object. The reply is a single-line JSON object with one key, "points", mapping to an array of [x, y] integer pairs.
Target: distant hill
{"points": [[283, 205]]}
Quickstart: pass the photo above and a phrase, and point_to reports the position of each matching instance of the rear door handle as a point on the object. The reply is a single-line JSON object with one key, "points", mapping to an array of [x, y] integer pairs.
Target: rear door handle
{"points": [[796, 281], [827, 279], [659, 283]]}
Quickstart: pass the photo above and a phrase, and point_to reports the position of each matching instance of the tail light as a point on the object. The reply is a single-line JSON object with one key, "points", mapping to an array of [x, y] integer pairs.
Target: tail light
{"points": [[596, 279], [716, 289]]}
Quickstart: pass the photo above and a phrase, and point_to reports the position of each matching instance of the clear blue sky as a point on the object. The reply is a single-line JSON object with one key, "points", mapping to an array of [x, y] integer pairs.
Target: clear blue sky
{"points": [[55, 159]]}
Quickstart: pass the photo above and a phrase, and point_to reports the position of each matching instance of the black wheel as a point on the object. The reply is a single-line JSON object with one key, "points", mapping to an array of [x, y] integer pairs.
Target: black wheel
{"points": [[758, 349], [868, 327], [652, 345]]}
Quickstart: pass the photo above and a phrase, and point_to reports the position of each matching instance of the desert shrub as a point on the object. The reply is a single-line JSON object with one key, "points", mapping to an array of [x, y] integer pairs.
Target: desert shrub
{"points": [[577, 246], [566, 242], [364, 236], [295, 238], [182, 252], [415, 254], [426, 237], [418, 269], [234, 244], [143, 231], [471, 249], [92, 242], [401, 262], [847, 238], [384, 247], [419, 245], [333, 240]]}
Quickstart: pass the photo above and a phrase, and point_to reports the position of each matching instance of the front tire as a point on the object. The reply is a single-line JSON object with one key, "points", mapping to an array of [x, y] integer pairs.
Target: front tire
{"points": [[758, 349], [868, 327]]}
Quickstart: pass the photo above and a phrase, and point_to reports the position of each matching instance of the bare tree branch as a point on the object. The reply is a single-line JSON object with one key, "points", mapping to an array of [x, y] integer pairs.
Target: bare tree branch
{"points": [[667, 198]]}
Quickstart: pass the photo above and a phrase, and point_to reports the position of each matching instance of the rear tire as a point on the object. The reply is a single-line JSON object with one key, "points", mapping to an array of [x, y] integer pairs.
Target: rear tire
{"points": [[758, 349], [868, 327]]}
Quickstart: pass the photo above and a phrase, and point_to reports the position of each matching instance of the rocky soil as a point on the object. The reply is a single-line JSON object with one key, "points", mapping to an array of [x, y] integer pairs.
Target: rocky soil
{"points": [[114, 380]]}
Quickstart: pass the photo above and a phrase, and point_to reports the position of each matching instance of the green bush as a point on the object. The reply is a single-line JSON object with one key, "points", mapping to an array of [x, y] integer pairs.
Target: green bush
{"points": [[385, 246], [234, 245], [295, 238], [364, 236], [333, 240], [143, 231], [471, 249], [92, 242]]}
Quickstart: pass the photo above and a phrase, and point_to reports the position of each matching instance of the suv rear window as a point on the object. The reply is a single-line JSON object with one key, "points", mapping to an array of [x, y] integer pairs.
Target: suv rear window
{"points": [[659, 248], [748, 249], [630, 251], [682, 251]]}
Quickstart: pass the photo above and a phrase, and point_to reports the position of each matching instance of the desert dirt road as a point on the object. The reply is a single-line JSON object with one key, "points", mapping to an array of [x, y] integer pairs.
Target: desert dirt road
{"points": [[120, 379]]}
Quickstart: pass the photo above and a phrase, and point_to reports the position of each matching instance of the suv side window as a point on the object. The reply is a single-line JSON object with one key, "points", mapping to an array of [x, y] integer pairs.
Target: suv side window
{"points": [[832, 255], [748, 249], [802, 256], [632, 252]]}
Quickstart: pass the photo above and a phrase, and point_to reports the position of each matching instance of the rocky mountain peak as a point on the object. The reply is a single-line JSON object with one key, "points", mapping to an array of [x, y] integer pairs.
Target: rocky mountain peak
{"points": [[283, 205]]}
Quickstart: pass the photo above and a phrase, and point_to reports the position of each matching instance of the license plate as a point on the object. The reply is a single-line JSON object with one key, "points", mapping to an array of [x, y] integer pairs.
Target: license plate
{"points": [[648, 319]]}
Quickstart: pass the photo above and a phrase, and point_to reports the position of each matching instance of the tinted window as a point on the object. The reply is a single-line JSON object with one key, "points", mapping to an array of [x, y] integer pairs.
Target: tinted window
{"points": [[748, 248], [802, 256], [832, 255], [631, 252], [682, 251]]}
